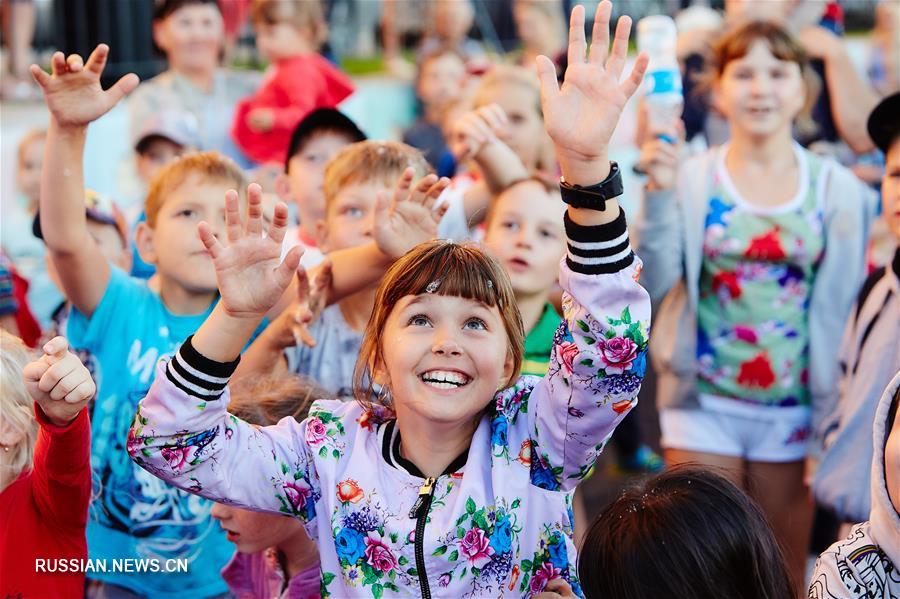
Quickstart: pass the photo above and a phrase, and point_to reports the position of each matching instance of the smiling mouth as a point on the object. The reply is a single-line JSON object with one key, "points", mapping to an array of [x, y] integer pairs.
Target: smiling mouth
{"points": [[445, 379]]}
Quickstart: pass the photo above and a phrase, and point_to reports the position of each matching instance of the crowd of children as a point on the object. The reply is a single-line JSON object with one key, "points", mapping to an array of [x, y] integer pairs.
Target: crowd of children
{"points": [[314, 364]]}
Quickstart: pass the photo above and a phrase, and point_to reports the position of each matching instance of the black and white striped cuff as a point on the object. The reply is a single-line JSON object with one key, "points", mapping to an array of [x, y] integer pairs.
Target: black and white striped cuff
{"points": [[197, 375], [600, 249]]}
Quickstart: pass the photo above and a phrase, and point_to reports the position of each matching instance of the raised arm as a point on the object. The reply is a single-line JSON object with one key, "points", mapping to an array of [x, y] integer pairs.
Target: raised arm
{"points": [[61, 387], [599, 354], [75, 99]]}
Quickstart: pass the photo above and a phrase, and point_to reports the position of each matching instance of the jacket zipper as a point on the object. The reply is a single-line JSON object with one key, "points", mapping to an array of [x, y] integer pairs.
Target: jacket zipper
{"points": [[420, 511]]}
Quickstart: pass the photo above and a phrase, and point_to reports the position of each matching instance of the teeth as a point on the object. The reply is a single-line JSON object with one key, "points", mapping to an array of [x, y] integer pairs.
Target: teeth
{"points": [[444, 379]]}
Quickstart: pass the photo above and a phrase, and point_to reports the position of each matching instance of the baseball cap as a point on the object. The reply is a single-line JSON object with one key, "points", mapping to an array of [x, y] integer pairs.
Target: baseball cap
{"points": [[179, 127], [99, 208], [884, 122]]}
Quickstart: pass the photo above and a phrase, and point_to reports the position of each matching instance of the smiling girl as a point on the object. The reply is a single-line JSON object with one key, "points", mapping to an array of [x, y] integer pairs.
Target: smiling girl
{"points": [[459, 480]]}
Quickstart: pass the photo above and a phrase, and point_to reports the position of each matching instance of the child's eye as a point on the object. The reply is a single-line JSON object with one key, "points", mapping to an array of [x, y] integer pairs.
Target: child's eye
{"points": [[509, 225], [352, 212], [187, 213], [419, 320], [475, 324], [547, 234]]}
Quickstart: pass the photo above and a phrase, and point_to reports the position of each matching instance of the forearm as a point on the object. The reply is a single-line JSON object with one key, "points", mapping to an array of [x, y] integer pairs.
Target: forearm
{"points": [[62, 469], [63, 220], [354, 269], [262, 357], [222, 336], [851, 101], [499, 166]]}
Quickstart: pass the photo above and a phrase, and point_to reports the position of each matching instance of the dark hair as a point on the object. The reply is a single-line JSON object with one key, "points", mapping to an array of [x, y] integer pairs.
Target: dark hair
{"points": [[687, 532], [164, 8], [322, 120]]}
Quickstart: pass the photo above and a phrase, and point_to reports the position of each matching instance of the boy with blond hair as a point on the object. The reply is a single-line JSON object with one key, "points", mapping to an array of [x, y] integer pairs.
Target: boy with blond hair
{"points": [[128, 326]]}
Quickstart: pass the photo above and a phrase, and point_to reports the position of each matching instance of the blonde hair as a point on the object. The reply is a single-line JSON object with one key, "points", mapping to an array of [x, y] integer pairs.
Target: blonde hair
{"points": [[264, 401], [463, 270], [29, 138], [16, 406], [371, 162], [206, 166], [296, 13]]}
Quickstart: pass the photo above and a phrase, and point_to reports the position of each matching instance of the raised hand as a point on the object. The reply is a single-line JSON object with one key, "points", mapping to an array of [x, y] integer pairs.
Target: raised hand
{"points": [[249, 271], [582, 115], [292, 326], [73, 93], [411, 216], [659, 157], [59, 382], [476, 128]]}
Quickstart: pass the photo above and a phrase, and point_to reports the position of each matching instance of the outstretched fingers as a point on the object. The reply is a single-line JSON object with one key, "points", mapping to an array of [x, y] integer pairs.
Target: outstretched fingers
{"points": [[577, 43], [58, 64], [633, 81], [401, 192], [600, 33], [420, 191], [284, 272], [254, 210], [278, 228], [619, 54], [124, 86], [233, 228], [434, 192], [74, 63], [210, 241], [97, 60]]}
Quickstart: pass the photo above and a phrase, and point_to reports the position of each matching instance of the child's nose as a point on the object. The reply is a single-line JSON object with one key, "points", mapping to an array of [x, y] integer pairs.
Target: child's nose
{"points": [[219, 511], [445, 345]]}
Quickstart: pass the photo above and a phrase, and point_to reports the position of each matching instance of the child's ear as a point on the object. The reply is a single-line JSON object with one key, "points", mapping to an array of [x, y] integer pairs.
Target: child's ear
{"points": [[143, 239], [283, 188], [379, 374], [508, 366], [322, 236]]}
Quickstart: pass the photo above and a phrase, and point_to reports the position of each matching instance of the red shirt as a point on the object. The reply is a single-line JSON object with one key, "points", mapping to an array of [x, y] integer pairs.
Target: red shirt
{"points": [[43, 513], [296, 87]]}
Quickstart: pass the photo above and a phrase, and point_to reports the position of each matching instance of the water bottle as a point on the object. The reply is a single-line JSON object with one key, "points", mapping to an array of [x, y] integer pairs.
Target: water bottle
{"points": [[657, 36]]}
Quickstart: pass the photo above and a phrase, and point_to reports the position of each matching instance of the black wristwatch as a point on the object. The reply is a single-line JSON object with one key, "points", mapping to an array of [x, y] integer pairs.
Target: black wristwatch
{"points": [[593, 196]]}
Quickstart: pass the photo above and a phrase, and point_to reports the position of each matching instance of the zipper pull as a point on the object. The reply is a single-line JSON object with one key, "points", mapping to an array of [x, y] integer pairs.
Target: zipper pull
{"points": [[425, 491]]}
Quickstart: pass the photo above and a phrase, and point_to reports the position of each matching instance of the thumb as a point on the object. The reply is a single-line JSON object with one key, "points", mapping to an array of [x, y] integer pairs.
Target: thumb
{"points": [[56, 349]]}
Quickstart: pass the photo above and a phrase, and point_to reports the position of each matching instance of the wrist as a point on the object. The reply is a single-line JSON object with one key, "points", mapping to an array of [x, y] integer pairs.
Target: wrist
{"points": [[583, 170], [67, 130]]}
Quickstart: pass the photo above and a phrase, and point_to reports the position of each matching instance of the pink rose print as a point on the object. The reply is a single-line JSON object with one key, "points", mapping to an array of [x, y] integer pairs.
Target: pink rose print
{"points": [[315, 431], [476, 547], [617, 354], [297, 493], [567, 352], [540, 579], [378, 555], [133, 445], [178, 457]]}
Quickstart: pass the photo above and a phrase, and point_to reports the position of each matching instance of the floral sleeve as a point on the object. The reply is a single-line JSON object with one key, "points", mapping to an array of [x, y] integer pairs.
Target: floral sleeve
{"points": [[598, 359], [183, 434]]}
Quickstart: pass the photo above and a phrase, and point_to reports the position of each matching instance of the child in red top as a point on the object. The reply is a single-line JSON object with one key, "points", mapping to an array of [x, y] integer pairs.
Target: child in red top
{"points": [[45, 485], [288, 35]]}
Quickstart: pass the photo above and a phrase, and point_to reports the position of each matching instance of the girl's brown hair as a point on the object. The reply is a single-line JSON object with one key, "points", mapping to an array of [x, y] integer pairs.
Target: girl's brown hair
{"points": [[264, 401], [461, 270], [736, 42]]}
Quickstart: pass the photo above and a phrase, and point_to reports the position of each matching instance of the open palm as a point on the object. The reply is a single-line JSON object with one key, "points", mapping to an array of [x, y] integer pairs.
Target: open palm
{"points": [[250, 274], [582, 115], [73, 92], [411, 216]]}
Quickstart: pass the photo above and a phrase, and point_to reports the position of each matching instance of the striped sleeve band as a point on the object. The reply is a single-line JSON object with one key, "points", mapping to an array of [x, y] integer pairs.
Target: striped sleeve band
{"points": [[197, 375], [599, 249]]}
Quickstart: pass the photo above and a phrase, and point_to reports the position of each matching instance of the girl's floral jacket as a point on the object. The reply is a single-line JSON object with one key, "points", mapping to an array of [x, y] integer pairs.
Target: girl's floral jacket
{"points": [[498, 522]]}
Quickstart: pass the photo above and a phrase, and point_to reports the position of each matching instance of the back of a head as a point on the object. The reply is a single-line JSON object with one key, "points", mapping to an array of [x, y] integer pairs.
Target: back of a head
{"points": [[16, 406], [318, 122], [263, 401], [372, 161], [687, 532]]}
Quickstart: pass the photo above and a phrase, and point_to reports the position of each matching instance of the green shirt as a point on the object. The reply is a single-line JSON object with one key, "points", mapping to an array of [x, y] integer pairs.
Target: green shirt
{"points": [[539, 342]]}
